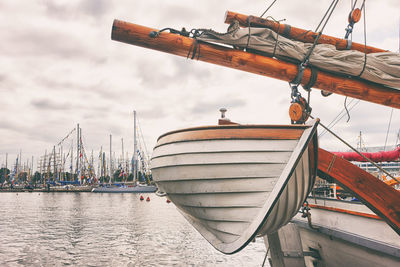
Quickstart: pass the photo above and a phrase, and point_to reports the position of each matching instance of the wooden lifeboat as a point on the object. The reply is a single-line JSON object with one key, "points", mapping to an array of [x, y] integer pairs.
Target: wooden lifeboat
{"points": [[234, 182]]}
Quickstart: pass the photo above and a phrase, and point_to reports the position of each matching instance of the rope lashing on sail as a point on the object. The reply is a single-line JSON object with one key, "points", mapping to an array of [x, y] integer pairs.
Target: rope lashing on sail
{"points": [[195, 33]]}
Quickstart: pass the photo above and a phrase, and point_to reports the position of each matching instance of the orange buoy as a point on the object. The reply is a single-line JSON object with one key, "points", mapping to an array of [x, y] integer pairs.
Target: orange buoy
{"points": [[148, 199], [141, 198]]}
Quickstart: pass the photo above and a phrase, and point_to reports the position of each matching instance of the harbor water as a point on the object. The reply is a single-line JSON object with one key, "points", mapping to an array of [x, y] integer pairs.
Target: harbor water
{"points": [[87, 229]]}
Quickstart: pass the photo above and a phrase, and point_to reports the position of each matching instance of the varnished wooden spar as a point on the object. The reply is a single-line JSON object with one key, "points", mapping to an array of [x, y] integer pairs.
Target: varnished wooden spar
{"points": [[295, 33], [379, 197], [258, 64]]}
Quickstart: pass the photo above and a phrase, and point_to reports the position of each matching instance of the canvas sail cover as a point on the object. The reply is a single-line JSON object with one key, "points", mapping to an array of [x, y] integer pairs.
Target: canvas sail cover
{"points": [[382, 68]]}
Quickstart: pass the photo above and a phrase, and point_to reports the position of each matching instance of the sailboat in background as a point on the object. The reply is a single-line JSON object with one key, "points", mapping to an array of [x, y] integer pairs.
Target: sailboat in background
{"points": [[139, 168]]}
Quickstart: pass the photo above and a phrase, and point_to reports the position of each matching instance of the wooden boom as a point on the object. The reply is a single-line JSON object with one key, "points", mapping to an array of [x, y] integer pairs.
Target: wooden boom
{"points": [[220, 55], [381, 198], [296, 33]]}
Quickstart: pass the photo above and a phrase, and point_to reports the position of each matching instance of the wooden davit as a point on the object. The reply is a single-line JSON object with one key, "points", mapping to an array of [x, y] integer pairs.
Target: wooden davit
{"points": [[184, 46]]}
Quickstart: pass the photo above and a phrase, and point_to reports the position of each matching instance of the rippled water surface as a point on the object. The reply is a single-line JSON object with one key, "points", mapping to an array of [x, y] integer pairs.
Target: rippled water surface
{"points": [[88, 229]]}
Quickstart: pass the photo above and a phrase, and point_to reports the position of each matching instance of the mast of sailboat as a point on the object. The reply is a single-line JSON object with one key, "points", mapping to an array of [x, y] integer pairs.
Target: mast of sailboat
{"points": [[122, 159], [32, 169], [100, 170], [92, 171], [62, 161], [80, 156], [77, 152], [72, 160], [5, 170], [104, 165], [135, 169], [18, 163], [54, 164], [44, 167], [110, 159]]}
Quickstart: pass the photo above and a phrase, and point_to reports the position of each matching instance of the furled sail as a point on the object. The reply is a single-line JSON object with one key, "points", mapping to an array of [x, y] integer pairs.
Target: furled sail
{"points": [[382, 68]]}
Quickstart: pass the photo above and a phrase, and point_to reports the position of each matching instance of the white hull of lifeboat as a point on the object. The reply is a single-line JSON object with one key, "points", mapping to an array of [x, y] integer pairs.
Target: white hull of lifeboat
{"points": [[235, 182]]}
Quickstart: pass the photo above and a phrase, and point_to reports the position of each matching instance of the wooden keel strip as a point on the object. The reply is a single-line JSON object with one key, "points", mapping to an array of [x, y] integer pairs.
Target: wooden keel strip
{"points": [[258, 64], [378, 196]]}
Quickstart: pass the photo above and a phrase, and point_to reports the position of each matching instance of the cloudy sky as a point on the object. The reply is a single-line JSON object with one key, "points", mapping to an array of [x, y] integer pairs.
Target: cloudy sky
{"points": [[59, 67]]}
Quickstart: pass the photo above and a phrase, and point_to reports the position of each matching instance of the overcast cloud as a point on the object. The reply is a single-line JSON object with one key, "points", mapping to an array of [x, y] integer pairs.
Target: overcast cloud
{"points": [[59, 67]]}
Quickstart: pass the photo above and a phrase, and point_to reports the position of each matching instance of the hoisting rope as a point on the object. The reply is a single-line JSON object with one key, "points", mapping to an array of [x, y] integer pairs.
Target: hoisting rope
{"points": [[294, 84], [365, 40], [355, 150], [340, 116], [265, 258], [388, 129], [268, 8], [354, 17], [302, 66]]}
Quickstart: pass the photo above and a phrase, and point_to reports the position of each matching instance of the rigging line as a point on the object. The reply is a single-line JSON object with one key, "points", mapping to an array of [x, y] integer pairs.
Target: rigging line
{"points": [[365, 39], [355, 150], [352, 9], [336, 119], [66, 136], [329, 16], [326, 13], [265, 258], [340, 113], [387, 132], [335, 122], [324, 132], [353, 5], [268, 8], [347, 111], [144, 143], [309, 52]]}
